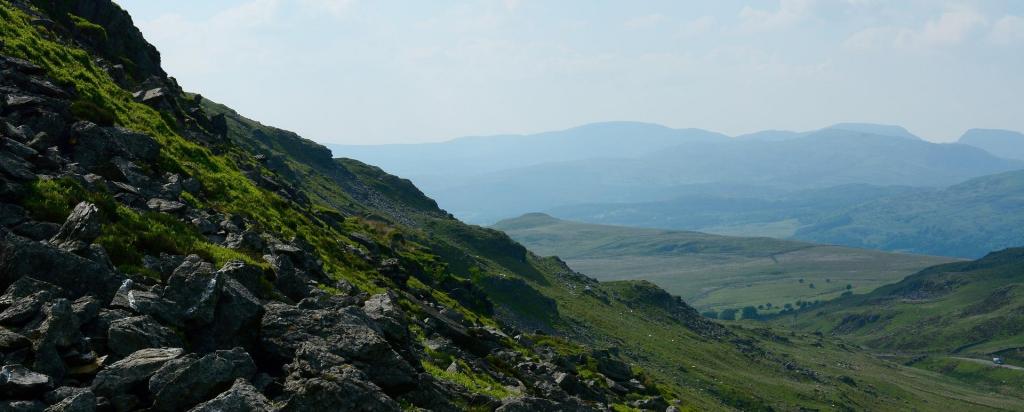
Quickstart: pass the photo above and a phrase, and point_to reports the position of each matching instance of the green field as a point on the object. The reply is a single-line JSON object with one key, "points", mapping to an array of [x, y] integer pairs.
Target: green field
{"points": [[713, 272]]}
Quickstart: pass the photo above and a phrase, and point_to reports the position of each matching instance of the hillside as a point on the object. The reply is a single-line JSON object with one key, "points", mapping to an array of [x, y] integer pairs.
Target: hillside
{"points": [[161, 252], [950, 312], [965, 220], [1002, 143], [714, 272]]}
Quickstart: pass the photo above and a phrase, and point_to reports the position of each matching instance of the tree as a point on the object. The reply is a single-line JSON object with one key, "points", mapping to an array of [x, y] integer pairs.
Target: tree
{"points": [[727, 314], [801, 280], [811, 286], [710, 314], [845, 294], [849, 286], [788, 306], [750, 312]]}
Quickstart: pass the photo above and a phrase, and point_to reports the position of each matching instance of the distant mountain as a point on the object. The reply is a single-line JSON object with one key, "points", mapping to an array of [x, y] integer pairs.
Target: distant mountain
{"points": [[714, 272], [875, 129], [968, 220], [965, 308], [1002, 143], [822, 159], [485, 154]]}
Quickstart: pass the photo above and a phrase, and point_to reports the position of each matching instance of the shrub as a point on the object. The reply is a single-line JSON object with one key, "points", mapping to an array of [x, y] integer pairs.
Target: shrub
{"points": [[93, 30], [727, 314]]}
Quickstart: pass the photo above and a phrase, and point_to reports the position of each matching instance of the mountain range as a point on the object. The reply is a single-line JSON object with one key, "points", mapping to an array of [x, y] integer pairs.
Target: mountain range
{"points": [[773, 183]]}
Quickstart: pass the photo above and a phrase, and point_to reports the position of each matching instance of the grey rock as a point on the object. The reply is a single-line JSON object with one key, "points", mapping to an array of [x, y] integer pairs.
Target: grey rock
{"points": [[20, 257], [384, 308], [18, 382], [242, 397], [58, 330], [318, 377], [84, 401], [37, 230], [15, 167], [165, 206], [132, 371], [129, 335], [184, 382], [97, 145], [11, 341], [21, 406], [247, 240], [11, 215], [247, 275], [345, 332], [86, 309], [195, 289], [80, 228]]}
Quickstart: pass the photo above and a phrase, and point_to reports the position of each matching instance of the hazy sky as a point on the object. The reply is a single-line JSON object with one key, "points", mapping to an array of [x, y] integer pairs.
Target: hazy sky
{"points": [[359, 71]]}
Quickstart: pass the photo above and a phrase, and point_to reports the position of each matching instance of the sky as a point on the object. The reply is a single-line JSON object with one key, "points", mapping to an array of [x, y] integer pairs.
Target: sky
{"points": [[375, 72]]}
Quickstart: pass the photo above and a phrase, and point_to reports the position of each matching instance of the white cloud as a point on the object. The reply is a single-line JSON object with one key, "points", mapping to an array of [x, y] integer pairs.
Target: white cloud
{"points": [[645, 22], [1008, 30], [789, 13], [336, 8], [698, 26], [952, 28]]}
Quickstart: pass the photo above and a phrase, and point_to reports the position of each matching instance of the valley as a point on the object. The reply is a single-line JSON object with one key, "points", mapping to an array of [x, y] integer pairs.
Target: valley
{"points": [[715, 273]]}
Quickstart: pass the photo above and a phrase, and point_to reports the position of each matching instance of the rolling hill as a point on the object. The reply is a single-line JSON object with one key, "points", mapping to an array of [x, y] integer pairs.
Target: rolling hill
{"points": [[950, 319], [714, 272], [1002, 143]]}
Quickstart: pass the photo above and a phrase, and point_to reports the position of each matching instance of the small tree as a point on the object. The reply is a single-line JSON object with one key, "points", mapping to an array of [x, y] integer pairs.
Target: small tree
{"points": [[750, 312], [811, 286], [788, 306], [710, 314], [801, 280], [727, 314], [849, 286]]}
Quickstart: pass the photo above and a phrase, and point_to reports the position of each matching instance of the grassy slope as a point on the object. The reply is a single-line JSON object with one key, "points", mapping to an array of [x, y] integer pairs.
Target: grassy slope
{"points": [[969, 308], [721, 374], [711, 271]]}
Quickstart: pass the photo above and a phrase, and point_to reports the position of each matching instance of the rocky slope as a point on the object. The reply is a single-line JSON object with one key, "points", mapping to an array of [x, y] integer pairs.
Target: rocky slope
{"points": [[148, 295], [161, 252]]}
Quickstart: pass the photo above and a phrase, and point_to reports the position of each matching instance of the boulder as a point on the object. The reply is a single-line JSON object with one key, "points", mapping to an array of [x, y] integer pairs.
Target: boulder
{"points": [[18, 382], [318, 377], [57, 331], [247, 275], [247, 240], [345, 332], [241, 397], [20, 257], [95, 146], [133, 371], [195, 289], [129, 335], [80, 228], [385, 310], [187, 381], [236, 320], [165, 205], [84, 401], [11, 341]]}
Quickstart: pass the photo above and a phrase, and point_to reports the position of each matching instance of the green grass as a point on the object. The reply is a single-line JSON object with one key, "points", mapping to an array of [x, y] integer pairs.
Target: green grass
{"points": [[981, 375], [713, 272], [970, 308]]}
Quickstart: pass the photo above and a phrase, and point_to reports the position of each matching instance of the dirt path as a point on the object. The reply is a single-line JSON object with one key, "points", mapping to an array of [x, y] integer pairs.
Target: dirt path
{"points": [[987, 362]]}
